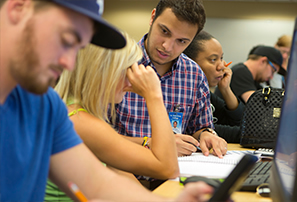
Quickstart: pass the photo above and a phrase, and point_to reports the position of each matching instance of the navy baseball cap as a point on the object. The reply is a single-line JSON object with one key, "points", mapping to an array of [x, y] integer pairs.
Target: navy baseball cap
{"points": [[105, 34], [272, 54]]}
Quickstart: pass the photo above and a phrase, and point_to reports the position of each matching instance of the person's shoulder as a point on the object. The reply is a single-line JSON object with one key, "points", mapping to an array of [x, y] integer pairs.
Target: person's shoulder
{"points": [[185, 59], [49, 93], [238, 66], [52, 94], [189, 64], [48, 99], [141, 42]]}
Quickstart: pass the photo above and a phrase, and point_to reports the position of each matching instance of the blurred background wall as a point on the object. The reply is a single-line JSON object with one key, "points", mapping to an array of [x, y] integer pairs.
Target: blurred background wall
{"points": [[237, 24]]}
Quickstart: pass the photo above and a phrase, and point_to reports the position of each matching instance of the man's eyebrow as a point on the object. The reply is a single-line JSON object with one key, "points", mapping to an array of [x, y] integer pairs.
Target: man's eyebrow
{"points": [[168, 30]]}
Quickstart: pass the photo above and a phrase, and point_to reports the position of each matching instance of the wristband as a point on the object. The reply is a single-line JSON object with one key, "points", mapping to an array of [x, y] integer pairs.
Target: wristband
{"points": [[209, 130], [145, 142]]}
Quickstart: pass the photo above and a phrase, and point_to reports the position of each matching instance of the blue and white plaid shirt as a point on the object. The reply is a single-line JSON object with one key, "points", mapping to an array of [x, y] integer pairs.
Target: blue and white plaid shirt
{"points": [[184, 87]]}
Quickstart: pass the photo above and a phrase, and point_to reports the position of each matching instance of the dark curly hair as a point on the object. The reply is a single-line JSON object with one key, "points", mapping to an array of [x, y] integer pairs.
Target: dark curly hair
{"points": [[191, 11], [197, 45]]}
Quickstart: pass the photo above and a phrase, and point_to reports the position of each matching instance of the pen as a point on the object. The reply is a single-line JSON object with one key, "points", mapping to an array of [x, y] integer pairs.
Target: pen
{"points": [[74, 188], [228, 64], [198, 148]]}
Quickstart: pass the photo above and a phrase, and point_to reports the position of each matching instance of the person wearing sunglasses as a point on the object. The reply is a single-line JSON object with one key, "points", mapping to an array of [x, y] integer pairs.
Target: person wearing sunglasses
{"points": [[262, 63]]}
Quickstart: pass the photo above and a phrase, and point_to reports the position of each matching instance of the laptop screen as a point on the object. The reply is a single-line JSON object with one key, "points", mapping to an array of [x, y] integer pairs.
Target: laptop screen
{"points": [[285, 158]]}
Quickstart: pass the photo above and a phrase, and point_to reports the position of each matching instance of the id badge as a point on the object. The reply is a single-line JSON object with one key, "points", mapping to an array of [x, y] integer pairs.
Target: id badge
{"points": [[176, 121]]}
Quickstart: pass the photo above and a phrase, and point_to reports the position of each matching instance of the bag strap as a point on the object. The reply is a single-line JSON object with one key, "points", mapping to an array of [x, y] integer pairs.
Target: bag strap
{"points": [[266, 92]]}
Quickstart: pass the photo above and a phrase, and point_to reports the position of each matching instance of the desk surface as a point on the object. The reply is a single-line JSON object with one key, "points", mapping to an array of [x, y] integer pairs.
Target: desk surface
{"points": [[172, 188]]}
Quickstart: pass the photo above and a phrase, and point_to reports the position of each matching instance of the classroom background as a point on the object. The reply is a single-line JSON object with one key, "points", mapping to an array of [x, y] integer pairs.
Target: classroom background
{"points": [[237, 24]]}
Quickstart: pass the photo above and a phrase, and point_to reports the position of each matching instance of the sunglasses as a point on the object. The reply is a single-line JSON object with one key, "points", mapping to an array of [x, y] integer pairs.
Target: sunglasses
{"points": [[273, 67]]}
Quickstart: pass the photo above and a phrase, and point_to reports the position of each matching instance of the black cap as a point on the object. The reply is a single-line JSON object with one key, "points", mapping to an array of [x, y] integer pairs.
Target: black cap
{"points": [[105, 34], [272, 54]]}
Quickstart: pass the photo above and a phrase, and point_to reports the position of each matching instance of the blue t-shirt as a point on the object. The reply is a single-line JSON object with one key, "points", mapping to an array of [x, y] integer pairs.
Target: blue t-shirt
{"points": [[32, 128]]}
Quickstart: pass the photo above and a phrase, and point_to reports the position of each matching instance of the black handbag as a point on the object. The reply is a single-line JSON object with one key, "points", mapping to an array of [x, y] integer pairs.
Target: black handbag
{"points": [[260, 119]]}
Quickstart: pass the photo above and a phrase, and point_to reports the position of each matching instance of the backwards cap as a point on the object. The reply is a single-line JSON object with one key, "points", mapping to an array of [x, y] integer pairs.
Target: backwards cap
{"points": [[105, 34], [272, 54]]}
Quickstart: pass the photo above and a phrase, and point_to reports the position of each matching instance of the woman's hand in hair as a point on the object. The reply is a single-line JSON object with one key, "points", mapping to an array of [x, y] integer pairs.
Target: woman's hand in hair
{"points": [[144, 81]]}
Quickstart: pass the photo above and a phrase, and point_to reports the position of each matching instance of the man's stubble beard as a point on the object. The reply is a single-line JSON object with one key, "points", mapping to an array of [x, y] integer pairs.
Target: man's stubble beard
{"points": [[24, 68], [148, 48]]}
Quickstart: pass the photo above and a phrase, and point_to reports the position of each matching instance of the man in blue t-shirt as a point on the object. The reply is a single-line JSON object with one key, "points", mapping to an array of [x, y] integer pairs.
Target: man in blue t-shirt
{"points": [[39, 39]]}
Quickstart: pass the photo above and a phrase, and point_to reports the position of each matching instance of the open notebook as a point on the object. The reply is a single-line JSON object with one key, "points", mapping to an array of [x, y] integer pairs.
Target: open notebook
{"points": [[210, 166]]}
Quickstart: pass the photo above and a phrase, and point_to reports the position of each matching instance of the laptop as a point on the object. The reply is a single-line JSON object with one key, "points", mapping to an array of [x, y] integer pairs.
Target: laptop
{"points": [[280, 173], [283, 182]]}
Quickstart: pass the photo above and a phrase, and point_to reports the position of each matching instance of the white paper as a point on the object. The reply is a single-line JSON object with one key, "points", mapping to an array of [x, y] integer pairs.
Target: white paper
{"points": [[209, 166]]}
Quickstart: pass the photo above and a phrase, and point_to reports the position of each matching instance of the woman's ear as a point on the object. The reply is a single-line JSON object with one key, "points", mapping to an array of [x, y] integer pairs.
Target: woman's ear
{"points": [[18, 9]]}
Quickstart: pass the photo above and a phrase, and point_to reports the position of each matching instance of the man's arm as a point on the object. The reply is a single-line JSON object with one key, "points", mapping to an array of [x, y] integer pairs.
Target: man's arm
{"points": [[201, 118], [242, 83], [79, 165], [245, 96]]}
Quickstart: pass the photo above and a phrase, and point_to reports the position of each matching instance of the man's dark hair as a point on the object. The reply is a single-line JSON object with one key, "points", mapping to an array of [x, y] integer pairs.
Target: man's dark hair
{"points": [[197, 45], [191, 11], [253, 49]]}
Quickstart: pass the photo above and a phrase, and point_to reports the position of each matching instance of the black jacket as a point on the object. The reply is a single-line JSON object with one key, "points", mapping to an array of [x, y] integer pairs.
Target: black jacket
{"points": [[226, 122]]}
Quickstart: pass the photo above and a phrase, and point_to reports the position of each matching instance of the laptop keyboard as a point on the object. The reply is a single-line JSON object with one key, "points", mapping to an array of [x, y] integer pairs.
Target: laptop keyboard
{"points": [[258, 175]]}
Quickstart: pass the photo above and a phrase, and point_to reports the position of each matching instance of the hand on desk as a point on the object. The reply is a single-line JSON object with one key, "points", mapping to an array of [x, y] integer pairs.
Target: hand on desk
{"points": [[187, 144], [218, 144]]}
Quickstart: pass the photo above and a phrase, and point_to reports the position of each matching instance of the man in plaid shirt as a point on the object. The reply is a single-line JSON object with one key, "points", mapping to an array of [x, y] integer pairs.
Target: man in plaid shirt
{"points": [[184, 85]]}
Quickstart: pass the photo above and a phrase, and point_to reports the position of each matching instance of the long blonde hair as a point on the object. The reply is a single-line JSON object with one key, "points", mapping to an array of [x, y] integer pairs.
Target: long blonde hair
{"points": [[97, 74]]}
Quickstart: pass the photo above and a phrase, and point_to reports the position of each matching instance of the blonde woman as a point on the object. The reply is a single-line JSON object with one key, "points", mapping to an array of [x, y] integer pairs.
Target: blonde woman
{"points": [[99, 81]]}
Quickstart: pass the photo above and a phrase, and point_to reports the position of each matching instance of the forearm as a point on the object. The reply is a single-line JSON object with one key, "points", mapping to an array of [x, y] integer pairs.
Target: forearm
{"points": [[121, 153], [162, 142], [230, 98], [95, 180], [137, 140], [131, 191]]}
